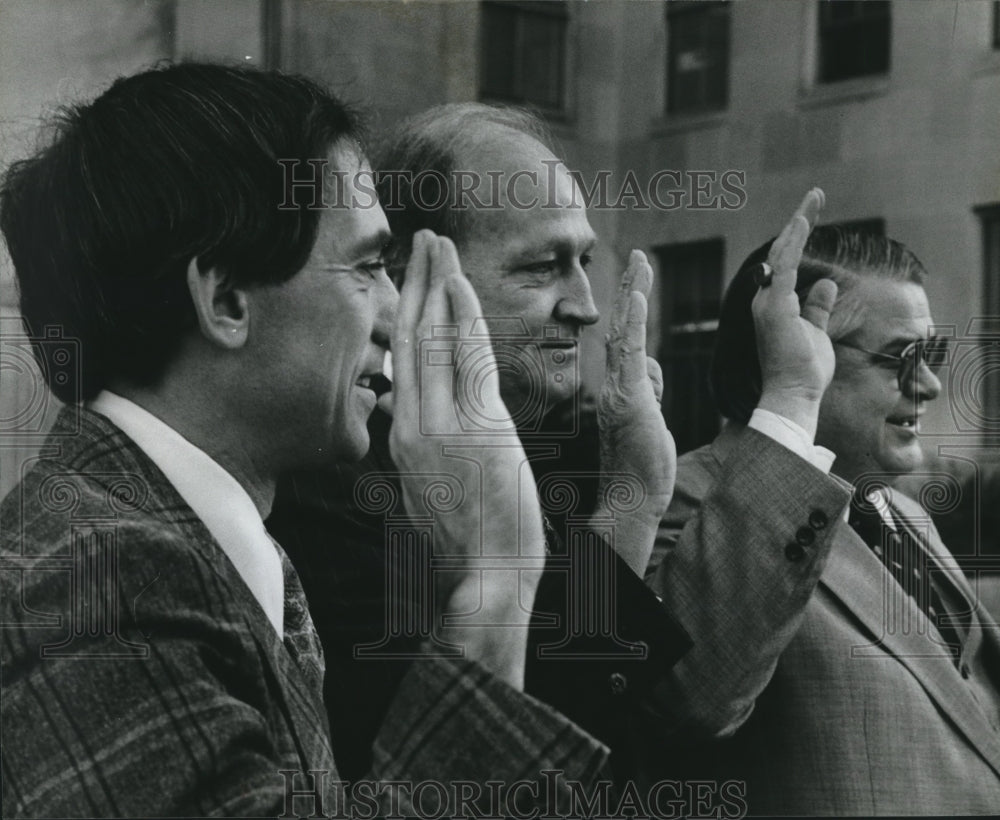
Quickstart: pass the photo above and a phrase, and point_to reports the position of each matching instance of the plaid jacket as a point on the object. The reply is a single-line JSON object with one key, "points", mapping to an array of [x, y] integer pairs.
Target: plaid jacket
{"points": [[141, 677]]}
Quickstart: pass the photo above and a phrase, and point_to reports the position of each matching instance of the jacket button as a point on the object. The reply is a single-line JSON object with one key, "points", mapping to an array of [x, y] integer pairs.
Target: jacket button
{"points": [[794, 552], [818, 519], [619, 683], [805, 536]]}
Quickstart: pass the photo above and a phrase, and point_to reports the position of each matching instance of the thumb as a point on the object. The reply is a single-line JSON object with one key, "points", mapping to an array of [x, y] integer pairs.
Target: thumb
{"points": [[819, 303], [655, 374]]}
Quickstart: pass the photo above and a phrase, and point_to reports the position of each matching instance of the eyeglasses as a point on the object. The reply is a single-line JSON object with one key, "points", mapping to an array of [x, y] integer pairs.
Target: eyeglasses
{"points": [[933, 352]]}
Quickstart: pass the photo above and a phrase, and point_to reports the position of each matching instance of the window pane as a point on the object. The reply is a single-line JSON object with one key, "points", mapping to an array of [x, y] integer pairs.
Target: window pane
{"points": [[697, 56], [691, 277], [990, 217], [854, 38], [499, 37], [543, 60], [523, 52]]}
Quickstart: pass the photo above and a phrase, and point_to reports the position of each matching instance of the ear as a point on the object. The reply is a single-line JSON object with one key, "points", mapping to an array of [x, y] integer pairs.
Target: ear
{"points": [[223, 310]]}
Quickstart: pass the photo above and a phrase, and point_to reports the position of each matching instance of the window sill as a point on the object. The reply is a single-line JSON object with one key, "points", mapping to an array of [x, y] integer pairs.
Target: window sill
{"points": [[681, 123], [859, 88]]}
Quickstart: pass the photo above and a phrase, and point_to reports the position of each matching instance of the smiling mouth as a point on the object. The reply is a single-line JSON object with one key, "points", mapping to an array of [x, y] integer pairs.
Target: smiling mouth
{"points": [[378, 383], [906, 422]]}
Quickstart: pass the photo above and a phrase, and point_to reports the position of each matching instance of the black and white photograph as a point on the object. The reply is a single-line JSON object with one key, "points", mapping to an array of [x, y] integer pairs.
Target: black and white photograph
{"points": [[524, 409]]}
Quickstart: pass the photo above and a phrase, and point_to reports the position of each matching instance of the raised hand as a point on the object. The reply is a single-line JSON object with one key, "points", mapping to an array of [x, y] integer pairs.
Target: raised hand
{"points": [[493, 536], [637, 450], [796, 356]]}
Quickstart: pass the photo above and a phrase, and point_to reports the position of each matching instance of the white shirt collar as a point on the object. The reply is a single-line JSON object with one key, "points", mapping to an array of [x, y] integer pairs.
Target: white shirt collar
{"points": [[216, 497]]}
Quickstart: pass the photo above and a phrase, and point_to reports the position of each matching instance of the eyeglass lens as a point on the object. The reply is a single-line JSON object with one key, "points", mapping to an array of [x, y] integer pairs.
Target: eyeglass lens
{"points": [[933, 352]]}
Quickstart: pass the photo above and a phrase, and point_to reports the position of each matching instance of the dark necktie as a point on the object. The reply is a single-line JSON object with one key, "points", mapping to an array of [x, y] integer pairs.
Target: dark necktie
{"points": [[300, 637], [899, 549]]}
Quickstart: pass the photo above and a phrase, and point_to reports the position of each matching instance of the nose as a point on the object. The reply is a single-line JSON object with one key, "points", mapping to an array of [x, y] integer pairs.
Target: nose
{"points": [[576, 302], [386, 300], [924, 384]]}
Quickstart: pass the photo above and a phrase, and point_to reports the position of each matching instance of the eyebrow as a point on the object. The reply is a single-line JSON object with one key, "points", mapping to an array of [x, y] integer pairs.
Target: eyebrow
{"points": [[374, 243], [899, 344], [560, 246]]}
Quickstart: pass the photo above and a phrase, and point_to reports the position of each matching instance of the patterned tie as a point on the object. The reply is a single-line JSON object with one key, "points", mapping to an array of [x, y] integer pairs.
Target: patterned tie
{"points": [[899, 549], [301, 638]]}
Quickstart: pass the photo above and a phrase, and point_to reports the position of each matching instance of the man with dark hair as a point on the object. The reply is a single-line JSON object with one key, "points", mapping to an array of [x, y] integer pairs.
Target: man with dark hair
{"points": [[158, 657], [878, 691], [523, 236]]}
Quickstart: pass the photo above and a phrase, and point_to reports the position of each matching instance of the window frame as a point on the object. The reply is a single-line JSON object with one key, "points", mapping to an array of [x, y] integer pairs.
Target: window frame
{"points": [[823, 26], [698, 331], [678, 10], [553, 10]]}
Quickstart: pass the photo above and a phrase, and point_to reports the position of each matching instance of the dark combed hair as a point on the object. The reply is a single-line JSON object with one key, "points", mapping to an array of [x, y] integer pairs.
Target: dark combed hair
{"points": [[843, 255], [177, 162], [437, 141]]}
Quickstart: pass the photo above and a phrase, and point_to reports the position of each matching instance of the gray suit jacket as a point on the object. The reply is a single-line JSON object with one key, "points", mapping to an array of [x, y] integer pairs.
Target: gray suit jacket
{"points": [[141, 677], [862, 711]]}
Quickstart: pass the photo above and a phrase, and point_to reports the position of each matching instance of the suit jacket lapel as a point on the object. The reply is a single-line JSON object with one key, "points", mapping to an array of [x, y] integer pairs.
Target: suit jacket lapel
{"points": [[102, 449], [859, 579], [981, 624]]}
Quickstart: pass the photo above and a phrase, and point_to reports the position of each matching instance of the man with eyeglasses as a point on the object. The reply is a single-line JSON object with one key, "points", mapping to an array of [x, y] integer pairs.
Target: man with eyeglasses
{"points": [[882, 694]]}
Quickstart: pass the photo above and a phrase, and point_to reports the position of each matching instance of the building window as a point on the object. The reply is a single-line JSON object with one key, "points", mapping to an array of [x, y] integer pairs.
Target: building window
{"points": [[989, 216], [523, 53], [691, 274], [989, 325], [854, 38], [697, 56], [270, 27]]}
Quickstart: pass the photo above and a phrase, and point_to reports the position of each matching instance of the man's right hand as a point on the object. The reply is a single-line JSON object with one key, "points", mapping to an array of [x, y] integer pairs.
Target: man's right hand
{"points": [[493, 535], [796, 355]]}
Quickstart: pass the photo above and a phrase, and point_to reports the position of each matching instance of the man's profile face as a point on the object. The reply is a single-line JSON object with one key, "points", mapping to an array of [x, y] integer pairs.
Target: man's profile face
{"points": [[320, 336], [531, 262], [865, 419]]}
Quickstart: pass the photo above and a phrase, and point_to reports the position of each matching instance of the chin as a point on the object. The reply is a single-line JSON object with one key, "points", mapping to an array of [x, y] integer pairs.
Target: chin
{"points": [[350, 446], [903, 462]]}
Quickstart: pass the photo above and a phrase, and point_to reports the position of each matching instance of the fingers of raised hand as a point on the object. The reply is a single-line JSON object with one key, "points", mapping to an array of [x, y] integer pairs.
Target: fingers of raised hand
{"points": [[411, 306], [819, 302], [441, 266], [787, 249], [638, 278], [811, 205], [655, 374], [641, 278], [633, 352]]}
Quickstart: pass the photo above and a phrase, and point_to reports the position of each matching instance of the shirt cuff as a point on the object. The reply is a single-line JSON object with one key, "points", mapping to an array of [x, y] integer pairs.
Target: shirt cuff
{"points": [[791, 436]]}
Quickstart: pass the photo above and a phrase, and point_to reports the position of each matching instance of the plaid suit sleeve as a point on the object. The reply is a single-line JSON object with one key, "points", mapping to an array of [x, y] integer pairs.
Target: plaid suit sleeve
{"points": [[177, 718], [453, 722], [740, 552]]}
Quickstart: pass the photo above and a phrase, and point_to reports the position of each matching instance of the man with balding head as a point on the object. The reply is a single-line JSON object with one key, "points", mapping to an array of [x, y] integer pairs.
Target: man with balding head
{"points": [[485, 177], [528, 249]]}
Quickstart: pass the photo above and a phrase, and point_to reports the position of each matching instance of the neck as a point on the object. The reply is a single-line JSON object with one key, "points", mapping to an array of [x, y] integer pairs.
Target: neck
{"points": [[211, 429]]}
